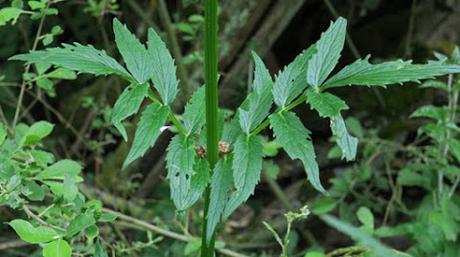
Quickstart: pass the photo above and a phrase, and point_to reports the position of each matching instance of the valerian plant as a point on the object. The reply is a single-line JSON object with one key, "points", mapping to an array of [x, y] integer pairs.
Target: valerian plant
{"points": [[226, 172]]}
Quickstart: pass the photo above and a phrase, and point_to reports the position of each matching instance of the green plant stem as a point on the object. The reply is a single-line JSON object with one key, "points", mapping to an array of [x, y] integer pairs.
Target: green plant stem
{"points": [[171, 115], [212, 109], [290, 106]]}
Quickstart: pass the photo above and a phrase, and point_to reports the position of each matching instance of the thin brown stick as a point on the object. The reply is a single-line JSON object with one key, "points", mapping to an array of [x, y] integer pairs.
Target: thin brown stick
{"points": [[140, 224]]}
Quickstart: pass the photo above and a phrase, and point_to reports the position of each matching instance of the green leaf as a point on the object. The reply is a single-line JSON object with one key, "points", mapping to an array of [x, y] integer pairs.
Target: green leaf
{"points": [[62, 73], [91, 232], [447, 223], [3, 133], [148, 130], [33, 191], [99, 250], [454, 146], [258, 104], [221, 182], [440, 113], [70, 188], [366, 218], [57, 248], [60, 169], [127, 104], [31, 234], [34, 5], [77, 57], [326, 104], [133, 52], [46, 84], [180, 161], [194, 115], [347, 143], [328, 49], [377, 248], [362, 73], [294, 137], [164, 70], [290, 82], [247, 165], [323, 205], [37, 132], [192, 247], [80, 223], [9, 14]]}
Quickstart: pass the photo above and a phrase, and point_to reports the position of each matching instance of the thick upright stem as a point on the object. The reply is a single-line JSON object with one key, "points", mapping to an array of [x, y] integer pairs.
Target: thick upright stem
{"points": [[207, 248]]}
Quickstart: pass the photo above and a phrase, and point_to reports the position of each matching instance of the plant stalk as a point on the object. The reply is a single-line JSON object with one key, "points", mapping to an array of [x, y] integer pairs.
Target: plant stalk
{"points": [[212, 109]]}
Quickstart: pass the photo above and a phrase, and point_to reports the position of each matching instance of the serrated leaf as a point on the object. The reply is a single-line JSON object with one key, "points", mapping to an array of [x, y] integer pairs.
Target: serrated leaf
{"points": [[247, 165], [362, 73], [290, 82], [76, 57], [60, 169], [326, 104], [347, 143], [194, 115], [328, 49], [294, 137], [62, 73], [377, 248], [221, 182], [147, 132], [31, 234], [180, 161], [57, 248], [258, 103], [199, 182], [133, 52], [164, 70], [127, 104], [440, 113]]}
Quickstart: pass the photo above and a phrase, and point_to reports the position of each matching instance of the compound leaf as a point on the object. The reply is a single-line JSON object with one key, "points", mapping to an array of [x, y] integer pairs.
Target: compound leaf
{"points": [[77, 57], [362, 73], [164, 70], [247, 164], [221, 182], [133, 52], [328, 49], [148, 130], [194, 116], [294, 137], [127, 104]]}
